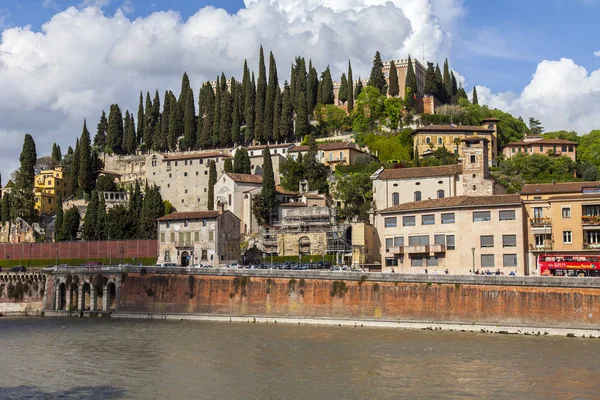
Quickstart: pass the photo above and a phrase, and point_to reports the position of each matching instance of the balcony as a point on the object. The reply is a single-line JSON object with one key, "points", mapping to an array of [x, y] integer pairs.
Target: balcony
{"points": [[425, 249], [590, 220], [395, 250], [540, 222], [547, 246], [591, 246], [184, 244]]}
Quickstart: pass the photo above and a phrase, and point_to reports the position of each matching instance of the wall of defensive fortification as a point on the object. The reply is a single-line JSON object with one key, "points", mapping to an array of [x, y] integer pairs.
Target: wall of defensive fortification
{"points": [[364, 297]]}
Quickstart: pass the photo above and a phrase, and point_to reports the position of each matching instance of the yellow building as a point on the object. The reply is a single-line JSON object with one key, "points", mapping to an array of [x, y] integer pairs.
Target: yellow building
{"points": [[429, 138], [48, 184], [562, 218], [332, 154]]}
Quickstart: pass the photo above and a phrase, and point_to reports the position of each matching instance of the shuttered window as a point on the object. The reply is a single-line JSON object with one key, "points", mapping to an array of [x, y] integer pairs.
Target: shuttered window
{"points": [[509, 240]]}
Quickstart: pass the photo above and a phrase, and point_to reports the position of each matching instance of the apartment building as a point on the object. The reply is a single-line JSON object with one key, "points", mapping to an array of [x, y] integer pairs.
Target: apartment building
{"points": [[201, 237], [539, 145], [562, 218], [459, 234], [48, 185]]}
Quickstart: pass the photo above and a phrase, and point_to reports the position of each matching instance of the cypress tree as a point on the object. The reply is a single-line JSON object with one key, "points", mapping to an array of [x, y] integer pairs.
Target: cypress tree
{"points": [[312, 88], [70, 224], [114, 137], [235, 123], [129, 140], [58, 221], [286, 120], [6, 208], [173, 126], [377, 80], [216, 115], [75, 167], [148, 123], [447, 81], [101, 220], [228, 165], [85, 179], [461, 94], [475, 100], [245, 85], [359, 88], [91, 218], [101, 129], [225, 113], [272, 89], [25, 182], [165, 119], [152, 208], [241, 162], [293, 78], [276, 116], [189, 122], [208, 105], [454, 89], [343, 92], [302, 126], [200, 118], [431, 88], [135, 207], [350, 89], [69, 151], [261, 98], [394, 89], [140, 120], [185, 87], [327, 87], [56, 156], [441, 89], [249, 102], [212, 179], [269, 192], [410, 85]]}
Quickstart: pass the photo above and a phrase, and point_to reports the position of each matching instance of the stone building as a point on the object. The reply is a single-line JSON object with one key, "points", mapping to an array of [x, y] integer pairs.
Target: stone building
{"points": [[561, 218], [392, 187], [460, 234], [183, 177], [429, 138], [125, 169], [279, 153], [48, 185], [18, 231], [332, 154], [201, 237], [539, 145]]}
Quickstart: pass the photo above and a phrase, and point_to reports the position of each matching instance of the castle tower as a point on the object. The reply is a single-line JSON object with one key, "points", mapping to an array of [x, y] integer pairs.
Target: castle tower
{"points": [[476, 171], [492, 125]]}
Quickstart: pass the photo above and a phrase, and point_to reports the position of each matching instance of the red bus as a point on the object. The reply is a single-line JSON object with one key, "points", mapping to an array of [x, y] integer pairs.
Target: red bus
{"points": [[569, 265]]}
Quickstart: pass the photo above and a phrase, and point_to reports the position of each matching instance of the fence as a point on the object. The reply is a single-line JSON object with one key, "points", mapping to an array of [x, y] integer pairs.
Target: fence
{"points": [[115, 249]]}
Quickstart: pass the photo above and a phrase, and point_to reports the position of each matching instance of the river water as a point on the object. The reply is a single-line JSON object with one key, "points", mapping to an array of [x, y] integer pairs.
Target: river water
{"points": [[53, 358]]}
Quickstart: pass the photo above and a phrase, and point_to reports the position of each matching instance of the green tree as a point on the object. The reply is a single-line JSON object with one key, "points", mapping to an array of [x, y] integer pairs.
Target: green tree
{"points": [[589, 148], [70, 224], [461, 94], [268, 192], [359, 88], [355, 192], [377, 80], [152, 208], [431, 87], [241, 162], [23, 199], [331, 117], [475, 100], [148, 133], [228, 165], [394, 89], [441, 89], [302, 126], [343, 92], [410, 86], [312, 87], [225, 114], [249, 109], [315, 172], [101, 220], [175, 123], [165, 119], [90, 221], [236, 120], [74, 167], [261, 98], [84, 176], [212, 179], [105, 183], [207, 116], [276, 116], [119, 224], [114, 137], [101, 129], [140, 120], [447, 81], [189, 122], [535, 127], [272, 89], [392, 108], [327, 96], [292, 172], [135, 207], [286, 119], [56, 155], [58, 221], [369, 109], [350, 89], [454, 89], [129, 139]]}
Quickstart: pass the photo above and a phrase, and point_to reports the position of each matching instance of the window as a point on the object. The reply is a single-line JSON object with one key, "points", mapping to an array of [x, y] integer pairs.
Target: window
{"points": [[441, 194], [570, 149], [341, 155], [170, 175], [186, 191], [409, 220], [204, 255], [417, 196], [439, 239], [450, 245], [204, 222], [330, 156], [432, 261], [167, 255], [211, 236], [196, 173], [389, 243], [201, 161], [507, 215], [481, 216], [416, 261], [391, 262], [168, 224], [196, 236], [473, 159], [399, 241], [229, 203], [513, 149], [487, 261], [421, 240], [509, 240], [172, 237], [566, 212], [175, 163], [539, 240], [395, 198], [564, 149], [509, 260], [428, 219], [567, 237], [486, 241], [439, 140], [448, 218], [162, 237], [390, 222], [185, 174], [541, 148], [428, 140]]}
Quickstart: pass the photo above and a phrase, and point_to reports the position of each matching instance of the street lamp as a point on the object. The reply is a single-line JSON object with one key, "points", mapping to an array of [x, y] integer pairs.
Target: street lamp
{"points": [[473, 251]]}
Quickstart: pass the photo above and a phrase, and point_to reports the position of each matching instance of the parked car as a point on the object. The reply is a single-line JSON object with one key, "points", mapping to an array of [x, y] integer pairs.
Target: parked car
{"points": [[18, 268], [49, 268], [170, 265]]}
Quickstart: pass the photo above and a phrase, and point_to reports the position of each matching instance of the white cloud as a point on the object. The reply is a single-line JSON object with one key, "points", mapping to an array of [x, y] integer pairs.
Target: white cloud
{"points": [[83, 60], [562, 94], [597, 53]]}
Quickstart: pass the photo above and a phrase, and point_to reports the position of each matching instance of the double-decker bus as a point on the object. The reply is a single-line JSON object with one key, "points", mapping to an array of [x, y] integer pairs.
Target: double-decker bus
{"points": [[569, 265]]}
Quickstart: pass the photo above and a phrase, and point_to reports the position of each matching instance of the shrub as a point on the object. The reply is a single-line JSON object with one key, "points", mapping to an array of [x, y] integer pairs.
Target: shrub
{"points": [[339, 289]]}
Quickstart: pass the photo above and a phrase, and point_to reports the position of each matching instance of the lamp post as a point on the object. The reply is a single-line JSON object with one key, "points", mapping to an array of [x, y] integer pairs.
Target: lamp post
{"points": [[473, 268]]}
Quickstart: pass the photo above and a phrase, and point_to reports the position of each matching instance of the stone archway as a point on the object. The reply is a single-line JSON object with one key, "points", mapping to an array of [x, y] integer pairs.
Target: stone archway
{"points": [[61, 296], [304, 245], [185, 259], [86, 294], [73, 296], [110, 297]]}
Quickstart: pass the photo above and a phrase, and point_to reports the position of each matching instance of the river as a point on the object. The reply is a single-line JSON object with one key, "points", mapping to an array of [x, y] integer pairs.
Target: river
{"points": [[52, 358]]}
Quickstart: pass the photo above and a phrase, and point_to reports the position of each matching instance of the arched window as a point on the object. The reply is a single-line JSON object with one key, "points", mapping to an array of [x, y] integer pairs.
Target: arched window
{"points": [[440, 194], [428, 140], [395, 198], [417, 196], [439, 140], [491, 127]]}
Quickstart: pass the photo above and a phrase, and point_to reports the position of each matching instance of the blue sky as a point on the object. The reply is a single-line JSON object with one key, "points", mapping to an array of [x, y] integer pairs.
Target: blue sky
{"points": [[498, 43]]}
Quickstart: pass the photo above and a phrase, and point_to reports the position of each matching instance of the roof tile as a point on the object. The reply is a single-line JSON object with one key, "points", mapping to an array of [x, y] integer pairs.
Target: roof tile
{"points": [[189, 215], [557, 188], [457, 201], [421, 172]]}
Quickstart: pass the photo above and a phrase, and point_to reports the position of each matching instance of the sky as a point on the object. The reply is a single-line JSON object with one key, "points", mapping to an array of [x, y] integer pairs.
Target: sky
{"points": [[63, 61]]}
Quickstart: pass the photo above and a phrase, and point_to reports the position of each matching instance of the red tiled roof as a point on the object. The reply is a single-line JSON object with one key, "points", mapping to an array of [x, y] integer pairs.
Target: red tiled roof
{"points": [[194, 156], [329, 146], [313, 196], [556, 188], [178, 216], [271, 146], [576, 197], [541, 141], [294, 204], [281, 190], [421, 172], [452, 128], [244, 178], [457, 201]]}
